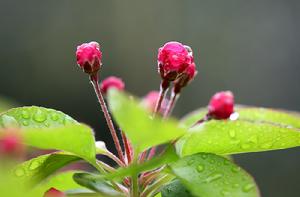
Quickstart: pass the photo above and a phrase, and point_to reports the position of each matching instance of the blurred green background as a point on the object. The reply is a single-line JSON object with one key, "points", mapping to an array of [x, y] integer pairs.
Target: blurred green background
{"points": [[249, 47]]}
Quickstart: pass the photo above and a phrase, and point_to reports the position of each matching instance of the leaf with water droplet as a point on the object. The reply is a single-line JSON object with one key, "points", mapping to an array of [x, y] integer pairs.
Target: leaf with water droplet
{"points": [[34, 117], [218, 178], [175, 189], [37, 169]]}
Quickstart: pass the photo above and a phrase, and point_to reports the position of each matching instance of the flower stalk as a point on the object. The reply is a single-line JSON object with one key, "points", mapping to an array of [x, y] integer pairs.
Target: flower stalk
{"points": [[95, 82]]}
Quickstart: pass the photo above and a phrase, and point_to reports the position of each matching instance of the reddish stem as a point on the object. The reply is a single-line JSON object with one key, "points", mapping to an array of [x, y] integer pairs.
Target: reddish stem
{"points": [[94, 79], [127, 147]]}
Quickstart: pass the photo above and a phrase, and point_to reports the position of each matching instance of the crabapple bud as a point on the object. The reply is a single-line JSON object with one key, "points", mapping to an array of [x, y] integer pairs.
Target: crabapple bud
{"points": [[221, 105], [111, 82], [173, 58], [89, 57]]}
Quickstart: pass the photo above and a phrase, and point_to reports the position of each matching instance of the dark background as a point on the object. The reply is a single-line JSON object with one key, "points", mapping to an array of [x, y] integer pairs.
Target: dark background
{"points": [[249, 47]]}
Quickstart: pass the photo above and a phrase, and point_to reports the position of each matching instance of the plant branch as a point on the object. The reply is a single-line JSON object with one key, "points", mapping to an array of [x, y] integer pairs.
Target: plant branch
{"points": [[171, 104], [127, 148], [94, 79]]}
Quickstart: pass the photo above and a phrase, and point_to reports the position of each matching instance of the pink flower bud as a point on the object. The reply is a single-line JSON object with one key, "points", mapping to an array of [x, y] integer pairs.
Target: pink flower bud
{"points": [[112, 82], [11, 144], [89, 57], [173, 58], [185, 78], [221, 105], [149, 101], [52, 192]]}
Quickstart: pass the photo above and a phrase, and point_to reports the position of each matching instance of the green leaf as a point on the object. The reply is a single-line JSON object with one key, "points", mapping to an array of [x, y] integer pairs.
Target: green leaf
{"points": [[210, 175], [62, 181], [255, 130], [39, 168], [136, 122], [175, 189], [49, 129], [95, 184]]}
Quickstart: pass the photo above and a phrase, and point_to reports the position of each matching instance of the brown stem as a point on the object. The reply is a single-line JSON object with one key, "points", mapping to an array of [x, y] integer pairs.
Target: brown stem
{"points": [[94, 79]]}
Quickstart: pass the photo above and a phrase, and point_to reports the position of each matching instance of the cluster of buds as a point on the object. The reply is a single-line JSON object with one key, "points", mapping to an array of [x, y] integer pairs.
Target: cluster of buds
{"points": [[175, 65]]}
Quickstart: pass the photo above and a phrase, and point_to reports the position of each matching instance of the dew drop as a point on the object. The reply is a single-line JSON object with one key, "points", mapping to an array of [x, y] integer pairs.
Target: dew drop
{"points": [[204, 156], [235, 169], [47, 124], [253, 139], [9, 121], [40, 116], [224, 193], [232, 133], [190, 162], [236, 185], [54, 116], [200, 168], [25, 114], [213, 177], [34, 165], [25, 123], [248, 187], [68, 120], [19, 172]]}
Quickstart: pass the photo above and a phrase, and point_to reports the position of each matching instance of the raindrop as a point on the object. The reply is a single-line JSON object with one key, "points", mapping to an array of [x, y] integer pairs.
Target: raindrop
{"points": [[68, 120], [25, 123], [204, 156], [19, 172], [9, 121], [190, 162], [235, 169], [25, 114], [54, 116], [232, 133], [248, 187], [213, 177], [253, 139], [46, 124], [34, 165], [236, 185], [200, 168], [40, 116], [224, 192]]}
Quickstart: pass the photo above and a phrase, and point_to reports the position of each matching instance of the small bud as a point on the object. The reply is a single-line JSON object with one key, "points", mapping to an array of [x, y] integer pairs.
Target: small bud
{"points": [[185, 78], [173, 58], [52, 192], [221, 105], [11, 144], [89, 57], [149, 101], [111, 82]]}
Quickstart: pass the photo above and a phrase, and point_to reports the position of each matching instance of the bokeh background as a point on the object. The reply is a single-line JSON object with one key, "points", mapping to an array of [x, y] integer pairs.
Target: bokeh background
{"points": [[249, 47]]}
